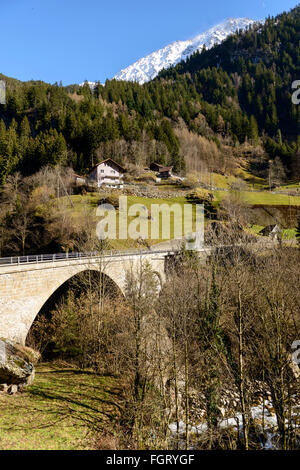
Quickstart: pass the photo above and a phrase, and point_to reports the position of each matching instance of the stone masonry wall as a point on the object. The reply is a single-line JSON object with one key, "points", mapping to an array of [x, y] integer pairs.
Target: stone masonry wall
{"points": [[25, 288]]}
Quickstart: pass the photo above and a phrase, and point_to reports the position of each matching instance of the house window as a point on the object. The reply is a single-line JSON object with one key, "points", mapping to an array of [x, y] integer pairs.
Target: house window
{"points": [[102, 171]]}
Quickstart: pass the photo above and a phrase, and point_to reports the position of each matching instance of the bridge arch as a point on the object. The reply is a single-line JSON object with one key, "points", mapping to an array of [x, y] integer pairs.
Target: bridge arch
{"points": [[79, 282], [26, 285], [30, 289]]}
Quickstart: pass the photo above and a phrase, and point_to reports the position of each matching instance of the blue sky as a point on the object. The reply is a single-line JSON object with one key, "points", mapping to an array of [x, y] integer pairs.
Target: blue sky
{"points": [[74, 40]]}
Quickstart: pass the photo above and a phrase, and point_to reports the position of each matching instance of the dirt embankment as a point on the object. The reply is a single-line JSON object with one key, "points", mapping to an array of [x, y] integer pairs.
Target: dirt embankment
{"points": [[286, 216]]}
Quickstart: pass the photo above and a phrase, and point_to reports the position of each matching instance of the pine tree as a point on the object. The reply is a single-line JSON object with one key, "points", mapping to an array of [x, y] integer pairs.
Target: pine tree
{"points": [[253, 130]]}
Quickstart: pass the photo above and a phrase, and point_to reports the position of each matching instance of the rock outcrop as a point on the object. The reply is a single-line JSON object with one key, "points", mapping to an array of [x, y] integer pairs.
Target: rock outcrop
{"points": [[16, 366]]}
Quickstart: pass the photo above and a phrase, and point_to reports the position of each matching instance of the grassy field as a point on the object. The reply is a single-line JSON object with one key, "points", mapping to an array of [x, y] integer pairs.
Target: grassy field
{"points": [[260, 198], [225, 181], [60, 410], [217, 180], [88, 203], [147, 202], [253, 181]]}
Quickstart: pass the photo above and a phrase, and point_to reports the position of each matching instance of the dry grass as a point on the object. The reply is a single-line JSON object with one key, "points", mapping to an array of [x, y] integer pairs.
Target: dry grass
{"points": [[62, 410]]}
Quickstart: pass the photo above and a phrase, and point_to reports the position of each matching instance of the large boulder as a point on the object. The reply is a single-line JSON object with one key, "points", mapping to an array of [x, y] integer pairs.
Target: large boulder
{"points": [[16, 363]]}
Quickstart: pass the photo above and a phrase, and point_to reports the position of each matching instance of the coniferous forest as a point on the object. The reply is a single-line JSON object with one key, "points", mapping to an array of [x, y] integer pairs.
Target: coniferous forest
{"points": [[239, 91]]}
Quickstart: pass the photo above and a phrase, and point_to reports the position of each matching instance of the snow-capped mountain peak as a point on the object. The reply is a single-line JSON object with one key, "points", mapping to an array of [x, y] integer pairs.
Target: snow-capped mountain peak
{"points": [[148, 67], [92, 85]]}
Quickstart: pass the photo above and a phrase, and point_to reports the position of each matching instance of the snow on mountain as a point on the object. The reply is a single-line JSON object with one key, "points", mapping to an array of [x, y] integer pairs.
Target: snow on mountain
{"points": [[148, 67], [91, 84]]}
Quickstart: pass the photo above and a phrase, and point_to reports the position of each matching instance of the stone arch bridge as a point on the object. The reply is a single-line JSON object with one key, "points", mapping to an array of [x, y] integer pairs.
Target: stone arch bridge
{"points": [[27, 282]]}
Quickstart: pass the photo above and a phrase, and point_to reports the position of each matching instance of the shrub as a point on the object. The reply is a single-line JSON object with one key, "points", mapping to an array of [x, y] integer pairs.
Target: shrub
{"points": [[200, 194], [112, 199], [190, 181], [147, 177]]}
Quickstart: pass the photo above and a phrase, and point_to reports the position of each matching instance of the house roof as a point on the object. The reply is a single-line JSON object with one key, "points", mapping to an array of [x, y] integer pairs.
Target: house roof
{"points": [[107, 160], [165, 168], [162, 168]]}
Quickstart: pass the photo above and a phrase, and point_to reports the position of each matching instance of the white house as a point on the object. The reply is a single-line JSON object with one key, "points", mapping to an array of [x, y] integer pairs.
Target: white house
{"points": [[107, 173]]}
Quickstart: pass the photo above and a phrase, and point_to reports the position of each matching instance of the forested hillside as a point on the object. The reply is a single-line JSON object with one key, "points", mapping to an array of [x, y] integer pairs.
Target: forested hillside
{"points": [[201, 112], [253, 71]]}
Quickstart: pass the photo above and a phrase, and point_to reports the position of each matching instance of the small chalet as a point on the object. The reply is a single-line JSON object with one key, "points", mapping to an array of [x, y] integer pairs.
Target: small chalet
{"points": [[107, 173], [272, 231], [161, 171]]}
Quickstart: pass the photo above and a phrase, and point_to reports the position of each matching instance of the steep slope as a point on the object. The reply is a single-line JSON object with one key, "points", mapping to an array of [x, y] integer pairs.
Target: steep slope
{"points": [[148, 67], [261, 64]]}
